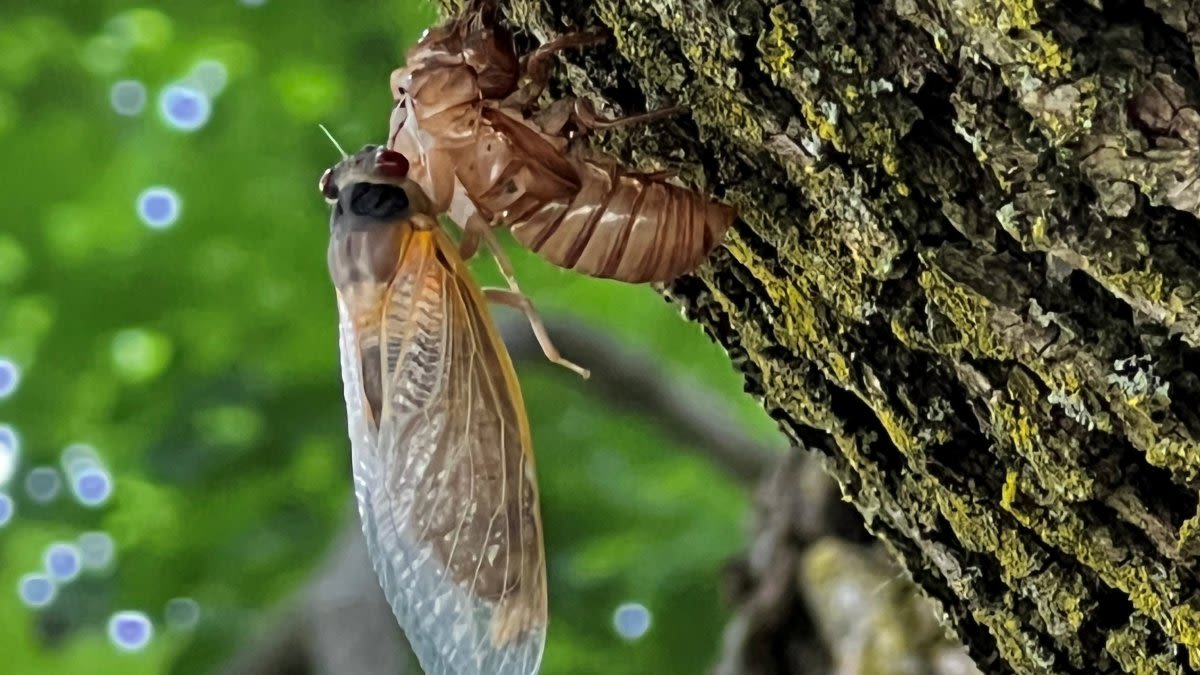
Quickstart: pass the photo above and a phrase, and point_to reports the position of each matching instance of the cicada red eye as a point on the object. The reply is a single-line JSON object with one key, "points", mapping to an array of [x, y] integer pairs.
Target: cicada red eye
{"points": [[392, 163], [328, 188]]}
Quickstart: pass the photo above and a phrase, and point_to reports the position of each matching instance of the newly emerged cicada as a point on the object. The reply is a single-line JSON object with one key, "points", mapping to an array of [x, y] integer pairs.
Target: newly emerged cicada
{"points": [[468, 118], [440, 444]]}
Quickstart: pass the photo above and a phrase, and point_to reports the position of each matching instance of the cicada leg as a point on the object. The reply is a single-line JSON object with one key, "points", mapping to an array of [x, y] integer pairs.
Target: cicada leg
{"points": [[587, 119], [478, 228], [469, 244], [536, 66], [581, 114], [519, 300]]}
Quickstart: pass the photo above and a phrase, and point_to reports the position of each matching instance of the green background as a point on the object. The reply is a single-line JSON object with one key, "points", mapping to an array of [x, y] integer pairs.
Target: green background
{"points": [[201, 362]]}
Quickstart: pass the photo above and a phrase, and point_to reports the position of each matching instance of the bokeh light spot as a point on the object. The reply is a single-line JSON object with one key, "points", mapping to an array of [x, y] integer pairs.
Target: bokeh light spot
{"points": [[10, 377], [140, 355], [184, 108], [308, 92], [182, 613], [230, 425], [75, 453], [158, 207], [88, 480], [71, 232], [63, 561], [128, 97], [103, 54], [143, 28], [79, 456], [209, 77], [42, 484], [92, 487], [96, 550], [130, 631], [10, 453], [36, 590], [9, 438], [631, 620], [14, 261], [7, 508]]}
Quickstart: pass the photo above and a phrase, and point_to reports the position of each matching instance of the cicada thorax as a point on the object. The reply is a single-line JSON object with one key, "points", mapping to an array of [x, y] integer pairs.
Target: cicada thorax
{"points": [[445, 96], [370, 219], [435, 121], [510, 170]]}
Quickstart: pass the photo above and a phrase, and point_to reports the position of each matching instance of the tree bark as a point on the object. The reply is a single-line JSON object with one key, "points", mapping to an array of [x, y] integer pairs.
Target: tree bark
{"points": [[964, 274]]}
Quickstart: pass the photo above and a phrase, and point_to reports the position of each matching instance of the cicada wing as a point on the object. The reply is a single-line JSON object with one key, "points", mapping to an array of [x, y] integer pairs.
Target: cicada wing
{"points": [[446, 488]]}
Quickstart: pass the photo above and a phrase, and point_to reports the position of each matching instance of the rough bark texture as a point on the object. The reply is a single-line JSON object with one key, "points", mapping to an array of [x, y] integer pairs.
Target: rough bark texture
{"points": [[965, 273]]}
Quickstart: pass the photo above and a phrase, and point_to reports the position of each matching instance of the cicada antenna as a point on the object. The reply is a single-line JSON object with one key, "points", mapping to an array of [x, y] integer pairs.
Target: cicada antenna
{"points": [[334, 141]]}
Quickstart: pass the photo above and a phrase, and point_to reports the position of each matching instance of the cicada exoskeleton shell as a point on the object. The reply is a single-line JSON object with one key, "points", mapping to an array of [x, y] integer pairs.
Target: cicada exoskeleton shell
{"points": [[465, 105]]}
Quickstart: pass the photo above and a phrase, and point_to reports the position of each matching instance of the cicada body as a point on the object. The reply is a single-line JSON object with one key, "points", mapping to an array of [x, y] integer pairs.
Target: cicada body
{"points": [[466, 112], [442, 456]]}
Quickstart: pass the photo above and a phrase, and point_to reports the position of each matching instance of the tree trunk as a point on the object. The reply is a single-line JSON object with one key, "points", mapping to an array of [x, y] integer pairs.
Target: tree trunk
{"points": [[964, 274]]}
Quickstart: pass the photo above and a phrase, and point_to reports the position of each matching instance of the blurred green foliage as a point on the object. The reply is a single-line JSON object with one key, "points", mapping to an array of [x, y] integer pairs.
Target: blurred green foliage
{"points": [[201, 359]]}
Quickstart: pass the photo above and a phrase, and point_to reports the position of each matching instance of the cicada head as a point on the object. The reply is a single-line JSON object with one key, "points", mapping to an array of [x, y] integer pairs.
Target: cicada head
{"points": [[372, 200], [372, 185]]}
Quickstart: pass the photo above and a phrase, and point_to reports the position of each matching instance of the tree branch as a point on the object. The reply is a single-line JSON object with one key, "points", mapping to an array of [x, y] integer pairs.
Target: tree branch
{"points": [[339, 623], [633, 381], [815, 594]]}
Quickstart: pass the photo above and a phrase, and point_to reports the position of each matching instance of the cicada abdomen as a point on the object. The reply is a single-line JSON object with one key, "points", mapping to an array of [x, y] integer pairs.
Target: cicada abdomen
{"points": [[599, 218]]}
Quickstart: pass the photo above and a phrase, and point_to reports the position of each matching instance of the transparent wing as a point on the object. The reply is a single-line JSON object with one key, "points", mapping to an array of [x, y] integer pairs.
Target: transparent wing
{"points": [[446, 486]]}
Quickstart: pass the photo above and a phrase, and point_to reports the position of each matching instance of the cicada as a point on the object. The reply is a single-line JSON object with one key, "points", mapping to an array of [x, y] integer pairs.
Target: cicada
{"points": [[443, 464], [440, 443], [467, 115]]}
